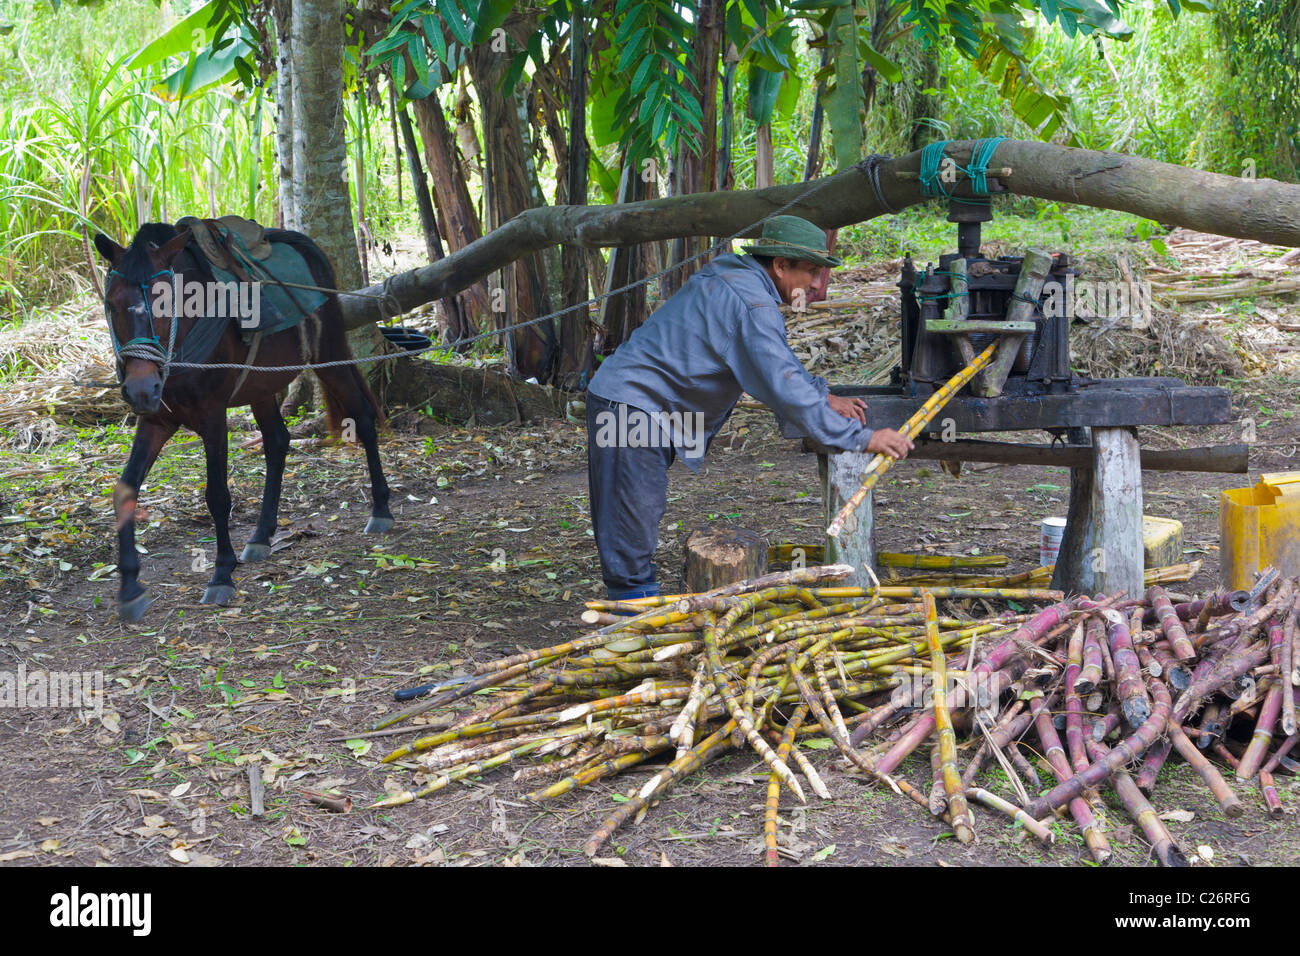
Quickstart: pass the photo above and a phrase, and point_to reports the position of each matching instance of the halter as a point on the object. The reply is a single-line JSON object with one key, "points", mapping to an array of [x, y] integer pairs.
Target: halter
{"points": [[148, 348]]}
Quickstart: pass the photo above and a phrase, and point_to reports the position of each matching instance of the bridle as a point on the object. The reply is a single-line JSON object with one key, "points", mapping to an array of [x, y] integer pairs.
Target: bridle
{"points": [[148, 348]]}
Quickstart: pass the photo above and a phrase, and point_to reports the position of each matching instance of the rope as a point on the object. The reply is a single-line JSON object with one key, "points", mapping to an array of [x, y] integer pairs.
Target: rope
{"points": [[977, 172], [868, 166]]}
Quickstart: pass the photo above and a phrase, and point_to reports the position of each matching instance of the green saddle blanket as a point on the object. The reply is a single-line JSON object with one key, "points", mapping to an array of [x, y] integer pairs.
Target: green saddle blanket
{"points": [[280, 270]]}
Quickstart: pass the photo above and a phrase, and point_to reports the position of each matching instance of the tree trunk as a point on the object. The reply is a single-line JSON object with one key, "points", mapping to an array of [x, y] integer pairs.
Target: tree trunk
{"points": [[457, 220], [1264, 210], [696, 170], [531, 349], [282, 14], [320, 185], [576, 357], [451, 309]]}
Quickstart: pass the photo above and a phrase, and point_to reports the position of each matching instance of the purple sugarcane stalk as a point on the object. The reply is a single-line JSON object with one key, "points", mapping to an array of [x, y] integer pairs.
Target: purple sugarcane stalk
{"points": [[1139, 808], [1128, 750], [1170, 624], [1269, 712], [1132, 693]]}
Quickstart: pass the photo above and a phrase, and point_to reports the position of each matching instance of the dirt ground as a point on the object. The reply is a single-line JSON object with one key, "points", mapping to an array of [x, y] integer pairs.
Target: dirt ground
{"points": [[491, 553]]}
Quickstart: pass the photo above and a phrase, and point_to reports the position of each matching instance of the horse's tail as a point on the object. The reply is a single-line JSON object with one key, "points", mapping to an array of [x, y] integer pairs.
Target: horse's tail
{"points": [[336, 404]]}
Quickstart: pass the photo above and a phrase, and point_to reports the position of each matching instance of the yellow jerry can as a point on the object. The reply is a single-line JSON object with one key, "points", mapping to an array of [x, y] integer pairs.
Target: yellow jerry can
{"points": [[1260, 526]]}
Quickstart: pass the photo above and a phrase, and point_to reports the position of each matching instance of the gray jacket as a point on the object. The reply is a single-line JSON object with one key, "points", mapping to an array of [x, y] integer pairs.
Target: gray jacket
{"points": [[721, 334]]}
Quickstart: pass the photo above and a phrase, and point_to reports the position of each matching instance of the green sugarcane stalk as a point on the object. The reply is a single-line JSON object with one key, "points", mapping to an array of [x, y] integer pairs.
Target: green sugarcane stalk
{"points": [[772, 803], [961, 821]]}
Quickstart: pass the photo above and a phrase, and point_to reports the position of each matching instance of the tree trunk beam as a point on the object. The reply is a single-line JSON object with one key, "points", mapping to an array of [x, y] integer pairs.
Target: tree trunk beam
{"points": [[1261, 209], [1228, 459], [841, 476], [719, 554], [1101, 550]]}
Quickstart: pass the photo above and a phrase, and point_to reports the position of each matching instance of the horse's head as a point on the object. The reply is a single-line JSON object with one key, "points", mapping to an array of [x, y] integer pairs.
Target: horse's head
{"points": [[138, 301]]}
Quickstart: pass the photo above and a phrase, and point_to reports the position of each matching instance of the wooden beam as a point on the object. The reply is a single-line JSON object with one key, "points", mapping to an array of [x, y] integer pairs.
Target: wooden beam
{"points": [[1228, 459]]}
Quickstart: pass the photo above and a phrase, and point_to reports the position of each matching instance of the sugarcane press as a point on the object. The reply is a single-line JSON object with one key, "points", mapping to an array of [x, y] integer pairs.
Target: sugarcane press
{"points": [[952, 312]]}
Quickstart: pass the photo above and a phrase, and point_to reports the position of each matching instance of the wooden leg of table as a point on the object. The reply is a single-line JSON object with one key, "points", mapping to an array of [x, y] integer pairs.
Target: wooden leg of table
{"points": [[1101, 551], [841, 476]]}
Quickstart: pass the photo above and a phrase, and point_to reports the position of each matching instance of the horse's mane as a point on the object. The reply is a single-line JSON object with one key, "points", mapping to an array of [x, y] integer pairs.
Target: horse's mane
{"points": [[136, 267]]}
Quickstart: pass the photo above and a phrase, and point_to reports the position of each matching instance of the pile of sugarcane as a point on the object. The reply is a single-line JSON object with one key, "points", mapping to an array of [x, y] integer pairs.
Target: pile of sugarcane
{"points": [[765, 663]]}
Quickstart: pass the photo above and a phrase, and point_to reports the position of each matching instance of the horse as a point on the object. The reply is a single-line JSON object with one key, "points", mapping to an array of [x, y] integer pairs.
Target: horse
{"points": [[164, 399]]}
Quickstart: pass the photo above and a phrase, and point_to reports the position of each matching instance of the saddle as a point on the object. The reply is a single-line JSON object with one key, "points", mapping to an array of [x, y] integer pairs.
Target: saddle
{"points": [[227, 240]]}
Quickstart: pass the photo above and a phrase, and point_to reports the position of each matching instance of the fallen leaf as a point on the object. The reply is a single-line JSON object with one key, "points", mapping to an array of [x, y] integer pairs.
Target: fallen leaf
{"points": [[181, 790], [49, 846], [16, 855], [608, 861], [47, 821], [179, 855], [1178, 816]]}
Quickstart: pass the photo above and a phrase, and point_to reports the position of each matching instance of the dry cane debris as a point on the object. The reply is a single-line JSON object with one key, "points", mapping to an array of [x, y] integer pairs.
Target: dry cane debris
{"points": [[773, 661]]}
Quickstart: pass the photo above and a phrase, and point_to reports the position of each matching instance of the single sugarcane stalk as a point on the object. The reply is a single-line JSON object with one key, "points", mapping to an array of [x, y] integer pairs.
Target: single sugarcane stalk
{"points": [[590, 775], [773, 801], [1132, 693], [1153, 760], [961, 821], [994, 802], [1287, 670], [683, 728], [828, 698], [708, 748], [1170, 624], [1168, 668], [1124, 753], [1137, 806], [1268, 790], [1092, 672], [1262, 737], [1093, 838], [938, 795], [436, 761], [1226, 755], [892, 559], [447, 779], [911, 429], [1021, 764], [1074, 713], [1283, 749], [1229, 802]]}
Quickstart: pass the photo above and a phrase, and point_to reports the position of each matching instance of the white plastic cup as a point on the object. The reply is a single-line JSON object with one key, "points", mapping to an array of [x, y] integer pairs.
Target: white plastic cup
{"points": [[1049, 540]]}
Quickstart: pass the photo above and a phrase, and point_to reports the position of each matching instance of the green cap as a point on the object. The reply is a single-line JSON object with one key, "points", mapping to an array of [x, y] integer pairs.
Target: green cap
{"points": [[793, 238]]}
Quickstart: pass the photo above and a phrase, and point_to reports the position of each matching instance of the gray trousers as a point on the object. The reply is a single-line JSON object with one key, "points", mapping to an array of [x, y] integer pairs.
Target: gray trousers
{"points": [[629, 495]]}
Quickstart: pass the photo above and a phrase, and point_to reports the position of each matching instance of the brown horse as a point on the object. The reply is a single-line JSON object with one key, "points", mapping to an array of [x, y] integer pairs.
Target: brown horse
{"points": [[165, 399]]}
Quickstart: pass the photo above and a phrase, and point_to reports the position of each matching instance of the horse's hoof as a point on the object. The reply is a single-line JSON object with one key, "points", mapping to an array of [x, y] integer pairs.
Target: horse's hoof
{"points": [[254, 552], [218, 594], [378, 525], [131, 611]]}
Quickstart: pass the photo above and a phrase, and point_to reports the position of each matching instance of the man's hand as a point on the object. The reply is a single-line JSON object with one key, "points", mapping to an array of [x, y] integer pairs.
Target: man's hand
{"points": [[853, 408], [886, 441]]}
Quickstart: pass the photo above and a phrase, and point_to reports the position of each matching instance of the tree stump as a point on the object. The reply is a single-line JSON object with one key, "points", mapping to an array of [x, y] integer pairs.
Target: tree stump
{"points": [[1101, 550], [718, 554], [841, 476]]}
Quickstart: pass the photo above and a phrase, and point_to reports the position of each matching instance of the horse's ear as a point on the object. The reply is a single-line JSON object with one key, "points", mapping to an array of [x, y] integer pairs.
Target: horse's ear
{"points": [[172, 248], [107, 248]]}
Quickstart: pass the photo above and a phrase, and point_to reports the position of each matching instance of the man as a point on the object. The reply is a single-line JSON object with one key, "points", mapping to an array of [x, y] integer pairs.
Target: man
{"points": [[668, 389]]}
